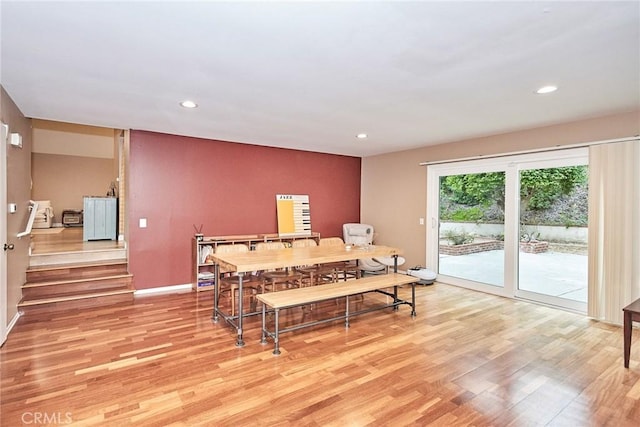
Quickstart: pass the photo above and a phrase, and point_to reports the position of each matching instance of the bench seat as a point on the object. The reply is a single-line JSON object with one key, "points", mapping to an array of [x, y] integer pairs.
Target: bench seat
{"points": [[314, 294]]}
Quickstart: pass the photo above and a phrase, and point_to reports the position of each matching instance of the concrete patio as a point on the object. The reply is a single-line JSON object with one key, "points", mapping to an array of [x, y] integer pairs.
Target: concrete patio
{"points": [[557, 274]]}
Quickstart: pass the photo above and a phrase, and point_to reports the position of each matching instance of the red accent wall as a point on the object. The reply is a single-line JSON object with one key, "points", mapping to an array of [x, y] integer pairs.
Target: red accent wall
{"points": [[177, 182]]}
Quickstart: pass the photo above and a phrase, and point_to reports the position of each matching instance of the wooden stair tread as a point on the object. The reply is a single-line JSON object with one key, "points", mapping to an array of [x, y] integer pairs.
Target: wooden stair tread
{"points": [[79, 251], [73, 274], [73, 297], [81, 280], [71, 258], [42, 268]]}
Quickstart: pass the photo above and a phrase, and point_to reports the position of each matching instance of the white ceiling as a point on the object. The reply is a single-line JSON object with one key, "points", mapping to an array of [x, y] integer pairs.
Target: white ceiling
{"points": [[311, 75]]}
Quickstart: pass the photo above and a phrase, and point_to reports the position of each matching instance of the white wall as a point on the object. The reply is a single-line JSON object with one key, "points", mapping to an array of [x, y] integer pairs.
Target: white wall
{"points": [[72, 140], [547, 232]]}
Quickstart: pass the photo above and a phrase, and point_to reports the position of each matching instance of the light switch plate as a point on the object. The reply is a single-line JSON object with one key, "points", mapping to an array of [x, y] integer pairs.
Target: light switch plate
{"points": [[142, 222], [16, 140]]}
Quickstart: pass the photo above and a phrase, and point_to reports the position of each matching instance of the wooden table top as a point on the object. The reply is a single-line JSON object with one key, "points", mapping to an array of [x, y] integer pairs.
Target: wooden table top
{"points": [[634, 307], [291, 257]]}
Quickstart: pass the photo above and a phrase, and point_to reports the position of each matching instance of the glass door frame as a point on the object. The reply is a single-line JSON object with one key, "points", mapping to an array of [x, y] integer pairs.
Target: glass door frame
{"points": [[554, 162], [434, 172], [511, 166]]}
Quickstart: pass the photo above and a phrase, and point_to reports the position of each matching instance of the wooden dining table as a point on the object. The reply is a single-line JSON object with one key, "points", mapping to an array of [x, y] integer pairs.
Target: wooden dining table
{"points": [[252, 261]]}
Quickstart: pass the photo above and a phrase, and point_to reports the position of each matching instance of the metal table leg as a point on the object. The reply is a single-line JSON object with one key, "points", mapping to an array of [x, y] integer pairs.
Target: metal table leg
{"points": [[413, 299], [395, 288], [263, 340], [216, 289], [239, 341], [346, 312], [276, 336]]}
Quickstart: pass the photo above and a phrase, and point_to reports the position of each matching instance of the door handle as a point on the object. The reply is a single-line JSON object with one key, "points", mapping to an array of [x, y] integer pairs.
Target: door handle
{"points": [[8, 247]]}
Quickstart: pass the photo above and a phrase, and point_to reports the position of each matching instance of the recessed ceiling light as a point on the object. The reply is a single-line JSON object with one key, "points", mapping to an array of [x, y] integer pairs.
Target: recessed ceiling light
{"points": [[547, 89], [189, 104], [361, 136]]}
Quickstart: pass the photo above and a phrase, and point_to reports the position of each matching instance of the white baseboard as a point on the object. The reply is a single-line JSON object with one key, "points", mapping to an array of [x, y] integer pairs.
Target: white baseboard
{"points": [[9, 327], [13, 322], [163, 290]]}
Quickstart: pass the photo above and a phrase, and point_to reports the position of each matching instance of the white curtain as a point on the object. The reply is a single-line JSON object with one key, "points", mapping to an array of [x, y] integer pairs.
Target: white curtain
{"points": [[614, 229]]}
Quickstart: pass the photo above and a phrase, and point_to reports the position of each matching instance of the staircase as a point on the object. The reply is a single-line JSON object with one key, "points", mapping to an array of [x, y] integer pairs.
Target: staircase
{"points": [[67, 284]]}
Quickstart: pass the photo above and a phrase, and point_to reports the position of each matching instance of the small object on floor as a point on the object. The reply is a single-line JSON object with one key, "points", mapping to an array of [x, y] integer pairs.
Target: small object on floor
{"points": [[72, 218], [425, 275]]}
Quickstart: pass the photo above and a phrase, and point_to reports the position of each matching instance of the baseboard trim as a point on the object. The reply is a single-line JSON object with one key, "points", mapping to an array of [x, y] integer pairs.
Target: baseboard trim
{"points": [[9, 327], [163, 290]]}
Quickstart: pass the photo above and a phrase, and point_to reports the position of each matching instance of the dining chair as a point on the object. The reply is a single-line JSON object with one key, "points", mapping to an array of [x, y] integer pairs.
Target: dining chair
{"points": [[229, 281], [272, 279], [313, 274], [345, 269]]}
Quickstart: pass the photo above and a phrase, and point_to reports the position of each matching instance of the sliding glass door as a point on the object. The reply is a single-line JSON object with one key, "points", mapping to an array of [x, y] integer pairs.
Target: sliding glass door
{"points": [[552, 257], [513, 226], [471, 229]]}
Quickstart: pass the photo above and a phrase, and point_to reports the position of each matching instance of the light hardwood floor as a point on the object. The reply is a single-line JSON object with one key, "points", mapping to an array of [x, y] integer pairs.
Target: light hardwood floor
{"points": [[69, 240], [467, 359]]}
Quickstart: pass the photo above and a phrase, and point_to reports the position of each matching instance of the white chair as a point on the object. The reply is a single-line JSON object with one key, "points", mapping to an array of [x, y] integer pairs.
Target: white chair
{"points": [[362, 235], [44, 215]]}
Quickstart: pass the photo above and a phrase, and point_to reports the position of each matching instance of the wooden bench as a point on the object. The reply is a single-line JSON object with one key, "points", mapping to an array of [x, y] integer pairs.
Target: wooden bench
{"points": [[314, 294]]}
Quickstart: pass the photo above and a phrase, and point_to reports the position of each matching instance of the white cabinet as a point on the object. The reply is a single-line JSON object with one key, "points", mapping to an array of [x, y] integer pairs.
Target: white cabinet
{"points": [[100, 217]]}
